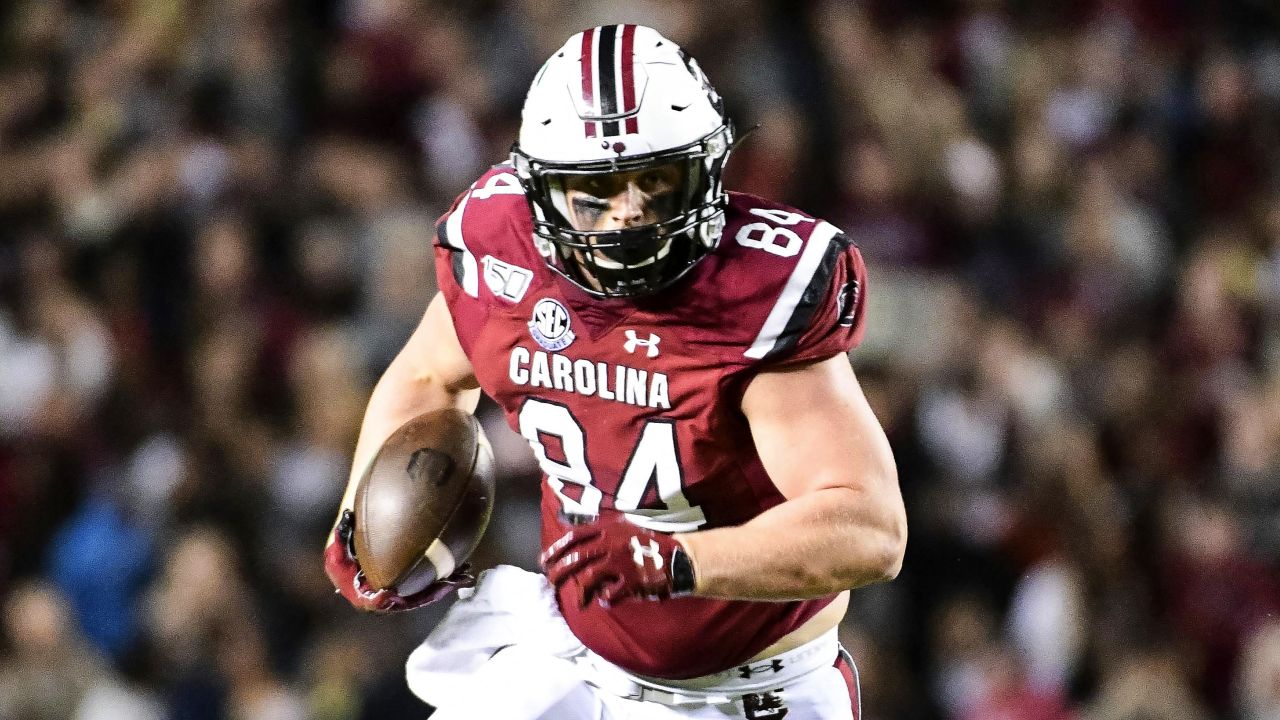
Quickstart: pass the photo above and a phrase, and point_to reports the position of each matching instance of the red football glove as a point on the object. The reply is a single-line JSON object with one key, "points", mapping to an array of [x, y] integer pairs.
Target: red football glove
{"points": [[345, 574], [612, 560]]}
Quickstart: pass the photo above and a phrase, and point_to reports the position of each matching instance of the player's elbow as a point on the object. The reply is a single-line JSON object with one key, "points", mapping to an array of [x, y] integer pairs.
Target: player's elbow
{"points": [[880, 559], [893, 543], [893, 553], [877, 560], [881, 541]]}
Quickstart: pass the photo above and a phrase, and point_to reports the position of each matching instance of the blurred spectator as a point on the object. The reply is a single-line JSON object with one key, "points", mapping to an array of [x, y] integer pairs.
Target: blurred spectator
{"points": [[57, 353], [1046, 625], [131, 694], [1007, 694], [100, 560], [49, 666], [216, 227], [1257, 686], [332, 674], [1147, 684], [1217, 590]]}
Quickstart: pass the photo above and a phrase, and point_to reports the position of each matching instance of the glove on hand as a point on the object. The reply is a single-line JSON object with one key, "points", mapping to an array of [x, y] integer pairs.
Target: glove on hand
{"points": [[344, 572], [612, 560]]}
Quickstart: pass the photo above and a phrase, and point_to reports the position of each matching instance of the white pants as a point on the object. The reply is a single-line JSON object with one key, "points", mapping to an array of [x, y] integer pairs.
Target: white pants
{"points": [[504, 651]]}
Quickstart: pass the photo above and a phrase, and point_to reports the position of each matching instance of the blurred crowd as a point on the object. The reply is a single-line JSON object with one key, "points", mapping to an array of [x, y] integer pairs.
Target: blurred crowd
{"points": [[215, 229]]}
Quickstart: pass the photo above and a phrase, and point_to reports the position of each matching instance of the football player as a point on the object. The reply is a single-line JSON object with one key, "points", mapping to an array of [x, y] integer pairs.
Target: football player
{"points": [[676, 356]]}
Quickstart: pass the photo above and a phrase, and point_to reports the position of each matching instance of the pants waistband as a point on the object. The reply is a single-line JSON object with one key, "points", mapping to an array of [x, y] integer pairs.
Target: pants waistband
{"points": [[765, 674]]}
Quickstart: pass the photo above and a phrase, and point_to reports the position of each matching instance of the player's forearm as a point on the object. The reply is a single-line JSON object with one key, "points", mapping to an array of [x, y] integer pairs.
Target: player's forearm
{"points": [[401, 394], [814, 545]]}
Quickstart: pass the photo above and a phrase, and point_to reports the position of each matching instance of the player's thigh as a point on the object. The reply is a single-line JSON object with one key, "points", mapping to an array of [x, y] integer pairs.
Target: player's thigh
{"points": [[830, 693], [582, 702]]}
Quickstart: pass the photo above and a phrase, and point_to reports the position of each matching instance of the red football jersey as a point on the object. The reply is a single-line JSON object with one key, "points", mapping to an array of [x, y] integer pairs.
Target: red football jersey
{"points": [[632, 405]]}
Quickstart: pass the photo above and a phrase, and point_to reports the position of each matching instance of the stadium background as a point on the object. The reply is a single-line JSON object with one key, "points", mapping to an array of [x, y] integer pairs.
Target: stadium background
{"points": [[215, 221]]}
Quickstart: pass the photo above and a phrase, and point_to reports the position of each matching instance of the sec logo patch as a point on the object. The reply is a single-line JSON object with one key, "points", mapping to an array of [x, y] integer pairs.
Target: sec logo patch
{"points": [[550, 325]]}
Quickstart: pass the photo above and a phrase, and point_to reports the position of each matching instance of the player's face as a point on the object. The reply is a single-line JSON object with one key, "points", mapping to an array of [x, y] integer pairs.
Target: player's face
{"points": [[616, 201]]}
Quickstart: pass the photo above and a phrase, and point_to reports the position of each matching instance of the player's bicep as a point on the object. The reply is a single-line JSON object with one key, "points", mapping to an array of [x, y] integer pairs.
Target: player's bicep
{"points": [[433, 352], [813, 429]]}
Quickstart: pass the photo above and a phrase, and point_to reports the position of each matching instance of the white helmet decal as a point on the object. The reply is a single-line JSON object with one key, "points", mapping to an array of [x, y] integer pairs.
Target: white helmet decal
{"points": [[609, 81], [622, 82]]}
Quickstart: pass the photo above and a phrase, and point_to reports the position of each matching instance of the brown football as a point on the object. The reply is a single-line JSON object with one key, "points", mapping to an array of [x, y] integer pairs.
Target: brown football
{"points": [[424, 502]]}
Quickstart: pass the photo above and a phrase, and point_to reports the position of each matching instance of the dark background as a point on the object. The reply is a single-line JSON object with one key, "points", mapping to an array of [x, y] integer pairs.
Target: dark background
{"points": [[215, 220]]}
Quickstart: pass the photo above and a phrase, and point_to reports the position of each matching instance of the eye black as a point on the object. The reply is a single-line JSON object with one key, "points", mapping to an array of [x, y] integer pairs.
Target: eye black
{"points": [[593, 206]]}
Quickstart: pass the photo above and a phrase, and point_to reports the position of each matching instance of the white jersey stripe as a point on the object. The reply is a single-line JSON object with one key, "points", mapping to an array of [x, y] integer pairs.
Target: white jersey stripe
{"points": [[441, 558], [470, 269], [810, 260]]}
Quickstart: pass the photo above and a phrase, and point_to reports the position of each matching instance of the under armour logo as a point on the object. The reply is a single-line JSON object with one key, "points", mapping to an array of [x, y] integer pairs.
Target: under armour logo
{"points": [[650, 345], [746, 671], [640, 552], [764, 706]]}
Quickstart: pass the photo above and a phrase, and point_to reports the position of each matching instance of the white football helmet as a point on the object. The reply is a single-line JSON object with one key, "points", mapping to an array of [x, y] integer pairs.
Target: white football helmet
{"points": [[622, 98]]}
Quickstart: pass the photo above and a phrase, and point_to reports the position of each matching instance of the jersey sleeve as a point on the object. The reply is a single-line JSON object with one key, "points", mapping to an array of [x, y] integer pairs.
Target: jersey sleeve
{"points": [[487, 222], [458, 275], [822, 309]]}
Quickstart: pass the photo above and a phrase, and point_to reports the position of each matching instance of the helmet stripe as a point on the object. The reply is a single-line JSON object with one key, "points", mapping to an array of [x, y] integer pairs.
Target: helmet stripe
{"points": [[628, 77], [587, 60], [608, 80]]}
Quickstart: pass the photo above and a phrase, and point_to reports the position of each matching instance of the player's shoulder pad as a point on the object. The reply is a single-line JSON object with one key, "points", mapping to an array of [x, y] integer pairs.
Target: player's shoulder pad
{"points": [[488, 226], [795, 283]]}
